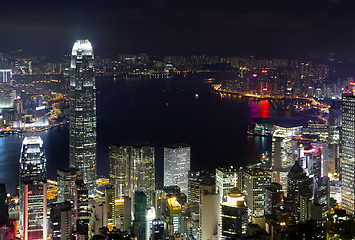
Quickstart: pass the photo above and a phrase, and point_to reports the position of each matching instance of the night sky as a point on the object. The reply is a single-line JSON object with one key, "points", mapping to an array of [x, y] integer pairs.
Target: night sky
{"points": [[287, 28]]}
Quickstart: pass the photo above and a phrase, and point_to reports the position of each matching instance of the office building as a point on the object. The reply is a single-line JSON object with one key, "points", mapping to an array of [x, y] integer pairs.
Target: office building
{"points": [[176, 166], [35, 210], [32, 168], [282, 152], [255, 184], [140, 207], [194, 181], [111, 204], [273, 198], [119, 157], [81, 210], [158, 229], [132, 168], [234, 215], [174, 209], [160, 203], [299, 184], [82, 117], [209, 208], [226, 180], [61, 221], [143, 171], [32, 160], [66, 184], [123, 213], [150, 216], [348, 153]]}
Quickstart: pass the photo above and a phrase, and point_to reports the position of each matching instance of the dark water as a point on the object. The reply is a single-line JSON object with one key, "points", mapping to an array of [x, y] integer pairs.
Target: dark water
{"points": [[138, 110]]}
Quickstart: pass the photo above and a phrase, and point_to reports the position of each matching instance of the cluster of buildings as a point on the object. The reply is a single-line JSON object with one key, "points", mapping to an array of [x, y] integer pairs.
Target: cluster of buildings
{"points": [[295, 195]]}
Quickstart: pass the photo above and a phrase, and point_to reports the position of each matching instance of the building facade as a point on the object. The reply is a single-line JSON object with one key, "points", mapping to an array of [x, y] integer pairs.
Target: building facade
{"points": [[132, 168], [82, 117], [66, 184], [176, 166], [348, 153]]}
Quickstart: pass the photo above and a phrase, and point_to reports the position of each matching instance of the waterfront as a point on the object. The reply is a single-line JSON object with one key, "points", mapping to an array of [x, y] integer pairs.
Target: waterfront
{"points": [[139, 109]]}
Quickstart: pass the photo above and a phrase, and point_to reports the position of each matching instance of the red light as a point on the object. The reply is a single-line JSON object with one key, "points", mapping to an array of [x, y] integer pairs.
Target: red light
{"points": [[264, 71], [352, 83], [264, 89]]}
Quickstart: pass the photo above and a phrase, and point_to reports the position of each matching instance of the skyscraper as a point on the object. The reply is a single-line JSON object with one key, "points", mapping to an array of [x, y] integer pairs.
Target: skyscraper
{"points": [[32, 169], [348, 153], [256, 181], [226, 180], [32, 160], [177, 166], [35, 210], [234, 218], [66, 184], [82, 118], [132, 168]]}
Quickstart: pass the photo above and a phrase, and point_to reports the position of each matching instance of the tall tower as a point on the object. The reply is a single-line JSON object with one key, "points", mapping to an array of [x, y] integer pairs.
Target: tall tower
{"points": [[132, 168], [177, 166], [33, 189], [82, 118], [348, 153]]}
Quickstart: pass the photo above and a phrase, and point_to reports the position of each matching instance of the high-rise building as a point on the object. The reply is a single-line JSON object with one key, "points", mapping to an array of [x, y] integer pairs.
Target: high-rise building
{"points": [[174, 209], [282, 152], [143, 171], [298, 184], [234, 215], [35, 210], [110, 202], [176, 166], [140, 207], [194, 181], [123, 213], [81, 210], [132, 168], [32, 168], [61, 221], [82, 117], [273, 198], [119, 156], [66, 184], [226, 180], [209, 208], [32, 160], [348, 154], [256, 182]]}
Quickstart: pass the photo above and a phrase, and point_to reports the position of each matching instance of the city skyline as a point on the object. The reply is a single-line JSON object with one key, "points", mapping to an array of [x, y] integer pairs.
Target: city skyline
{"points": [[181, 147]]}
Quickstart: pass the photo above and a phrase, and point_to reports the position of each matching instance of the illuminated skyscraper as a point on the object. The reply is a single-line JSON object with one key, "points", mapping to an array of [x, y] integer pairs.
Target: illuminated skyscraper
{"points": [[348, 153], [176, 166], [119, 169], [32, 168], [282, 154], [66, 184], [82, 118], [132, 168], [234, 217], [35, 210], [32, 160], [256, 181], [226, 180]]}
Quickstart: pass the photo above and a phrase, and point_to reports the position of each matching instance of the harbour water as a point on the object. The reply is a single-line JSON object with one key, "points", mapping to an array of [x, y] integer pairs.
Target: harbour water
{"points": [[158, 111]]}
